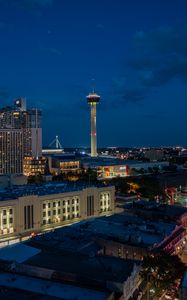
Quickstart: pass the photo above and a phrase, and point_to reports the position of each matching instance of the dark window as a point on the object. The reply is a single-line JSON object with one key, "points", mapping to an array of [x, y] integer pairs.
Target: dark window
{"points": [[28, 217], [11, 220], [49, 205], [73, 216], [59, 211], [49, 213], [44, 222], [49, 221], [25, 218], [32, 216], [72, 201], [73, 208], [77, 207], [4, 212], [58, 203], [4, 221], [44, 214], [54, 212], [54, 204], [64, 210], [11, 211], [44, 205], [63, 202]]}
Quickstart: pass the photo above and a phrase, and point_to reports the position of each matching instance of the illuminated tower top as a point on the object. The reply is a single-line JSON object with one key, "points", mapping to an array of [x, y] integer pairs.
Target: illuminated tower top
{"points": [[93, 98]]}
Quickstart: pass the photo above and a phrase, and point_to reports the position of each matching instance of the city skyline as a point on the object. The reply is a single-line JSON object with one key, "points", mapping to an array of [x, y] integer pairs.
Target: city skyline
{"points": [[136, 52]]}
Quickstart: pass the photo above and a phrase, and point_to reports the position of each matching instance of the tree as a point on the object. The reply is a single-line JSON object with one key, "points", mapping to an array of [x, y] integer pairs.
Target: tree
{"points": [[35, 179], [162, 270]]}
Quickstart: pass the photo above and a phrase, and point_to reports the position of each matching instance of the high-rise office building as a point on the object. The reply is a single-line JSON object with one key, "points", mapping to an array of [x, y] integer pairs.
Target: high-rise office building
{"points": [[28, 121], [11, 151]]}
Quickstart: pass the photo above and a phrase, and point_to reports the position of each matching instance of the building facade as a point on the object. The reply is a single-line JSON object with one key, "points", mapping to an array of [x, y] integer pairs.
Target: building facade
{"points": [[28, 122], [25, 214], [34, 166], [11, 151]]}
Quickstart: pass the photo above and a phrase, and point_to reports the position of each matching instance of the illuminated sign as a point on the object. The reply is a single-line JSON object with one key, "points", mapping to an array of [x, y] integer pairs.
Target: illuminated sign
{"points": [[123, 168]]}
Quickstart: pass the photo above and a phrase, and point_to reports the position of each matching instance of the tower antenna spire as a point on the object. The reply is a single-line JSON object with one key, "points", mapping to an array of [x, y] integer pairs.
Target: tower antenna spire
{"points": [[93, 85]]}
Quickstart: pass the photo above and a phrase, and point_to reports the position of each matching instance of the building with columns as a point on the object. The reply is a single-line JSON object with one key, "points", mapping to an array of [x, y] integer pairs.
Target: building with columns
{"points": [[26, 210]]}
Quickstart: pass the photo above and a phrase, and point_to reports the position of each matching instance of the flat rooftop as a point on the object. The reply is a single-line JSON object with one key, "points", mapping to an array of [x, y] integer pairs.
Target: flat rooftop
{"points": [[123, 228], [17, 191], [157, 208], [98, 268]]}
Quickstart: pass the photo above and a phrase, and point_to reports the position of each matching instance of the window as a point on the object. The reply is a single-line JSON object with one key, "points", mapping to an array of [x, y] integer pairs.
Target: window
{"points": [[63, 202], [44, 214], [44, 205], [10, 211], [68, 209], [54, 212], [49, 205], [77, 207], [73, 201], [73, 216], [4, 212], [68, 217], [64, 210], [11, 220], [78, 215], [73, 208], [49, 221], [54, 204], [58, 203], [59, 211], [49, 213], [44, 222], [4, 222], [68, 202], [77, 200]]}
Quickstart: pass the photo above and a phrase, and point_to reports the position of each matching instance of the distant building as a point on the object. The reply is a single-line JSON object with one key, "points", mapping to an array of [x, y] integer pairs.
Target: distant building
{"points": [[154, 154], [27, 124], [29, 121], [34, 166], [63, 164]]}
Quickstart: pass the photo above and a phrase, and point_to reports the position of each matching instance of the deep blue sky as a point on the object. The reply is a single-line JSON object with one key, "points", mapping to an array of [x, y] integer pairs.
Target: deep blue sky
{"points": [[135, 49]]}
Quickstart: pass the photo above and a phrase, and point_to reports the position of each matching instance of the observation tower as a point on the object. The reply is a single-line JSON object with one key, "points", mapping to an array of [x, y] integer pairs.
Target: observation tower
{"points": [[93, 99]]}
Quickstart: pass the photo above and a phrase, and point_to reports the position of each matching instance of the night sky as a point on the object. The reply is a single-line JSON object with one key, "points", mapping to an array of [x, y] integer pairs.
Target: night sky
{"points": [[135, 50]]}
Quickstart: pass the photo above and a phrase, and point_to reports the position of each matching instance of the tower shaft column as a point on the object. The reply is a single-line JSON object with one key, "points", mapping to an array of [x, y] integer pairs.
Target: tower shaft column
{"points": [[93, 130]]}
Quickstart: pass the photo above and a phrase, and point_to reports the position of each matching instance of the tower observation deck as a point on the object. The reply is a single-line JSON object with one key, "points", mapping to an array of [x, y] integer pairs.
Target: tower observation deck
{"points": [[93, 99]]}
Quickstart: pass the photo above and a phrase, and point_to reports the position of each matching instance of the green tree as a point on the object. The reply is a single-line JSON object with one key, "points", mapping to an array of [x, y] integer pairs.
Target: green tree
{"points": [[162, 271], [35, 179]]}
